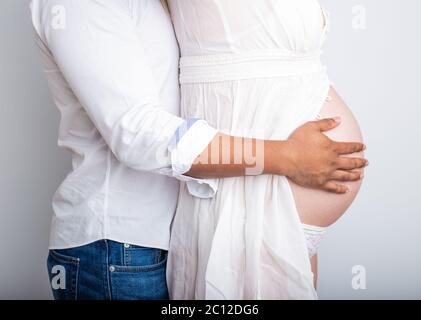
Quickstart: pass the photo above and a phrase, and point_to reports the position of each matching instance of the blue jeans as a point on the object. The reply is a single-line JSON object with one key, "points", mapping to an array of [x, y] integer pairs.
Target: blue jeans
{"points": [[107, 270]]}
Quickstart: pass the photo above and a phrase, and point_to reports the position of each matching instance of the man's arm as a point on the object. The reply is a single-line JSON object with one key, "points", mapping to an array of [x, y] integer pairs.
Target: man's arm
{"points": [[104, 64], [308, 157]]}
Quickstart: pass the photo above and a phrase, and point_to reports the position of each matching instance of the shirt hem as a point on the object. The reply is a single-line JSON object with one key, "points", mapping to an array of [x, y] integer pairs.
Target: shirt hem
{"points": [[116, 239]]}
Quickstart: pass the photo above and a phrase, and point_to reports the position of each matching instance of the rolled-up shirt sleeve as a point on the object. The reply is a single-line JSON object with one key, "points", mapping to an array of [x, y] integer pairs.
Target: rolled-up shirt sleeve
{"points": [[104, 64], [189, 141]]}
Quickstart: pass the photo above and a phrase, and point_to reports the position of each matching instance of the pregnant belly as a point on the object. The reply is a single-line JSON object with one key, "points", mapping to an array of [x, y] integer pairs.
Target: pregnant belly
{"points": [[317, 207]]}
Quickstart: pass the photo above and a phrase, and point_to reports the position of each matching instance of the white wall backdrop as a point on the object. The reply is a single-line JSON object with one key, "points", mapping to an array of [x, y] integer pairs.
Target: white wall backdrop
{"points": [[377, 71], [375, 68], [31, 164]]}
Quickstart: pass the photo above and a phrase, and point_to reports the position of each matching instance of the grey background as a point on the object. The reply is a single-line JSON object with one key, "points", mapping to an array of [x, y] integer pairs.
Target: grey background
{"points": [[377, 72]]}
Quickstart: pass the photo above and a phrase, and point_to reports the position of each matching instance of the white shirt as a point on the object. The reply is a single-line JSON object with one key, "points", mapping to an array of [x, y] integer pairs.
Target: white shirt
{"points": [[112, 66]]}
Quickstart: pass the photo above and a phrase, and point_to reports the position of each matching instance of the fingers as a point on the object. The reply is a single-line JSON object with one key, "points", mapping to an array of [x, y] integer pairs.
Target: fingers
{"points": [[345, 176], [344, 148], [328, 124], [335, 188], [351, 163]]}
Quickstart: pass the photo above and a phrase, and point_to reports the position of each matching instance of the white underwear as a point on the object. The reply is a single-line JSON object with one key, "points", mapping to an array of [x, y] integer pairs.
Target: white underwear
{"points": [[313, 237]]}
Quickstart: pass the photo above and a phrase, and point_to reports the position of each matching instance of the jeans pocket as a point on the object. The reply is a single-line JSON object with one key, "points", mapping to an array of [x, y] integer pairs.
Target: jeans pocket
{"points": [[140, 259], [142, 277], [63, 272]]}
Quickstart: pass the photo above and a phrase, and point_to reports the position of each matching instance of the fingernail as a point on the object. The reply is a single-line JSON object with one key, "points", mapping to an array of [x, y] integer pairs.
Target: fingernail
{"points": [[364, 147], [367, 163], [362, 175], [337, 119]]}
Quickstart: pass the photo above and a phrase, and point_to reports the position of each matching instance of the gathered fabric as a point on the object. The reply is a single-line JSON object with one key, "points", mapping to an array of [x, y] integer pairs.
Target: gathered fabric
{"points": [[250, 68]]}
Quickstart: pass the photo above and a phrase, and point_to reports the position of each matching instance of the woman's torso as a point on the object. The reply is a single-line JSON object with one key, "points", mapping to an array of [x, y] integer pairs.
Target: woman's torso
{"points": [[210, 27], [252, 68], [267, 106]]}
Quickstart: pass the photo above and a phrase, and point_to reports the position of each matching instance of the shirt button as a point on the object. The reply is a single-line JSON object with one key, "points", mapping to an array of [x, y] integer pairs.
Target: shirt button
{"points": [[126, 245], [112, 269]]}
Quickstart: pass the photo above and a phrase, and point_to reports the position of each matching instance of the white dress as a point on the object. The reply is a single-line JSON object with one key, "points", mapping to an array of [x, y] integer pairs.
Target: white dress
{"points": [[250, 68]]}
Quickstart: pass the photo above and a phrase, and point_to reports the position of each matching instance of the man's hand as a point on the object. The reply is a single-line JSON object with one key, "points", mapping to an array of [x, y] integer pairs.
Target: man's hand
{"points": [[315, 161]]}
